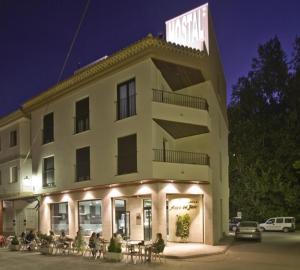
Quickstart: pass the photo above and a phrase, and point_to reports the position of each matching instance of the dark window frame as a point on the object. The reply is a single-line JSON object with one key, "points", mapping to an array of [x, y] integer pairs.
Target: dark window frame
{"points": [[13, 138], [126, 107], [48, 131], [81, 170], [47, 172], [82, 119], [126, 162]]}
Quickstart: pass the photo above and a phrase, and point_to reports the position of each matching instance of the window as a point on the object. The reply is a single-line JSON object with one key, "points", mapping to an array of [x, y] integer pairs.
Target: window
{"points": [[13, 138], [83, 164], [82, 118], [13, 174], [126, 100], [90, 218], [279, 220], [48, 172], [127, 150], [59, 217], [289, 220], [271, 221], [48, 128]]}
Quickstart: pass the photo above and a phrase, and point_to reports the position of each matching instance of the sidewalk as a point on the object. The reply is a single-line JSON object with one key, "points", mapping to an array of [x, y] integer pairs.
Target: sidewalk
{"points": [[193, 250]]}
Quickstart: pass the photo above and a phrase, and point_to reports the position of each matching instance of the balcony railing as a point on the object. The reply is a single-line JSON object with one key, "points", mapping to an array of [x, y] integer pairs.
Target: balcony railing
{"points": [[48, 178], [172, 156], [81, 123], [179, 99]]}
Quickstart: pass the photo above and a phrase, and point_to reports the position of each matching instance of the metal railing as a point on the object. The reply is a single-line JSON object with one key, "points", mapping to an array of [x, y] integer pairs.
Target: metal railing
{"points": [[82, 172], [81, 123], [126, 107], [179, 99], [173, 156], [48, 178]]}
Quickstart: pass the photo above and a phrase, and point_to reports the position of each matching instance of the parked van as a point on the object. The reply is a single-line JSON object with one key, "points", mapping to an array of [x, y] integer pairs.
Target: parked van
{"points": [[285, 224]]}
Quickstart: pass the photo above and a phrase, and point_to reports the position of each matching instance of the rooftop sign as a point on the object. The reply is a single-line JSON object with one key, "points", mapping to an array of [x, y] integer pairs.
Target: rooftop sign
{"points": [[190, 29]]}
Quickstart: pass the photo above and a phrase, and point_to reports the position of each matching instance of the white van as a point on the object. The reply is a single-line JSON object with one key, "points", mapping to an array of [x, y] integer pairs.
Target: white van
{"points": [[285, 224]]}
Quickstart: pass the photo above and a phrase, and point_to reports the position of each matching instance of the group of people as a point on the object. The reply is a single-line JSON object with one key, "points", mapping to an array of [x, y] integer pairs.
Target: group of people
{"points": [[96, 243]]}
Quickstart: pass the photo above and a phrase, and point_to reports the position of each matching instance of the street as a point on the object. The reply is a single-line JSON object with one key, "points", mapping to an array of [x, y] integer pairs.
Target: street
{"points": [[276, 251]]}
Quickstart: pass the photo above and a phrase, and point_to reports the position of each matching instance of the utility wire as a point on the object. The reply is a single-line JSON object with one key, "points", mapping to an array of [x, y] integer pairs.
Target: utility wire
{"points": [[62, 70], [73, 41]]}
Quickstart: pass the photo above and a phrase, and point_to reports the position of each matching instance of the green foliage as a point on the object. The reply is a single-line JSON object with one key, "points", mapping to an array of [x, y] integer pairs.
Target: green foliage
{"points": [[15, 240], [46, 240], [183, 224], [264, 141], [114, 246]]}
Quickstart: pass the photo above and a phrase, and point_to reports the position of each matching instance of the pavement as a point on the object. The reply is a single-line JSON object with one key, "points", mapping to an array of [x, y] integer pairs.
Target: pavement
{"points": [[194, 250]]}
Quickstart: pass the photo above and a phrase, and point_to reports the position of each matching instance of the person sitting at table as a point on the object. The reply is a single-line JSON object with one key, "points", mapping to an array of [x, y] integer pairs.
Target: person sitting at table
{"points": [[99, 246], [92, 243], [30, 240], [63, 240], [159, 244]]}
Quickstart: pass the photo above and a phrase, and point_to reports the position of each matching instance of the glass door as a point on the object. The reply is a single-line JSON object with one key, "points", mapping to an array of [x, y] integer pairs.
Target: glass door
{"points": [[122, 219], [147, 206]]}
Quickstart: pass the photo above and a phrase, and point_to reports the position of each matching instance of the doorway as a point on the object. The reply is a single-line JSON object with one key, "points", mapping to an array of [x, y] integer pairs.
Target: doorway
{"points": [[122, 219], [147, 214]]}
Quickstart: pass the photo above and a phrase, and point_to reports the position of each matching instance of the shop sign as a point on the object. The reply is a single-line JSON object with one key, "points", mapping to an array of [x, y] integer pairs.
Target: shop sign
{"points": [[182, 204], [190, 29]]}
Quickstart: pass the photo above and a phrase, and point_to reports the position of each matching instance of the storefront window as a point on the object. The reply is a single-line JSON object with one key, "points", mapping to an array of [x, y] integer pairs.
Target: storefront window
{"points": [[90, 218], [59, 218]]}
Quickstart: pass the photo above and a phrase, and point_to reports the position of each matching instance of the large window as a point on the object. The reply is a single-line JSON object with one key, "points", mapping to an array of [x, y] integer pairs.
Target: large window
{"points": [[82, 118], [83, 164], [90, 218], [127, 161], [48, 128], [48, 172], [13, 138], [126, 100], [59, 218], [14, 174]]}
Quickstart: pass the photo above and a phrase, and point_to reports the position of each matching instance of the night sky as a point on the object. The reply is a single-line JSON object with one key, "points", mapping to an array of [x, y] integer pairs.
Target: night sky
{"points": [[35, 36]]}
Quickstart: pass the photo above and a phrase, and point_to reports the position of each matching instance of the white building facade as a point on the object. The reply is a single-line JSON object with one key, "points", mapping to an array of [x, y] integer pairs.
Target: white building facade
{"points": [[135, 144]]}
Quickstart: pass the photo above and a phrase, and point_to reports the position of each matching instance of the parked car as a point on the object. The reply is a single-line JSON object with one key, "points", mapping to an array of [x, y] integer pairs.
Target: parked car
{"points": [[285, 224], [233, 223], [248, 230]]}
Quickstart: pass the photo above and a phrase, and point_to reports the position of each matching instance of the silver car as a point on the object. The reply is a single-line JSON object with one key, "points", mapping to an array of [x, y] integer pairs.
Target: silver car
{"points": [[248, 230]]}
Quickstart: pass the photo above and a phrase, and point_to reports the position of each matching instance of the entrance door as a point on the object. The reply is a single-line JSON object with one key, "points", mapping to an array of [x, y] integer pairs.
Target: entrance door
{"points": [[122, 218], [147, 205], [20, 221]]}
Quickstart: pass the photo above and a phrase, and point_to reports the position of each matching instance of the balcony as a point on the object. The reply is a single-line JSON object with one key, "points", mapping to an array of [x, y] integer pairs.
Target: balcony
{"points": [[180, 115], [180, 165]]}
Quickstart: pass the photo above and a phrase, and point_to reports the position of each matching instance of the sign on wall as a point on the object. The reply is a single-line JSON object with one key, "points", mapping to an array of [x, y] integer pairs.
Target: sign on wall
{"points": [[190, 29]]}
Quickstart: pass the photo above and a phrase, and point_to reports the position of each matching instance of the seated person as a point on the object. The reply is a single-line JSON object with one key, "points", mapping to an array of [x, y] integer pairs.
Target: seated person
{"points": [[63, 240], [30, 239], [78, 241], [159, 244], [92, 244], [99, 244]]}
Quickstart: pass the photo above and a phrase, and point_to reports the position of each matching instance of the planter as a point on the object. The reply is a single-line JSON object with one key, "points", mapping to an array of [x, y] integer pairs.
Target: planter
{"points": [[46, 250], [14, 247], [113, 256]]}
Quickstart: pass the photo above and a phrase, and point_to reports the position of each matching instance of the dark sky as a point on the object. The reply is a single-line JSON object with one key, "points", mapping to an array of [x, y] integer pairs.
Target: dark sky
{"points": [[35, 35]]}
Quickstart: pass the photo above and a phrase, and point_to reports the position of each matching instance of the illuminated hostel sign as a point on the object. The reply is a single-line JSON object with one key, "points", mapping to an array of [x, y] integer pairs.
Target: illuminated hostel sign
{"points": [[190, 29]]}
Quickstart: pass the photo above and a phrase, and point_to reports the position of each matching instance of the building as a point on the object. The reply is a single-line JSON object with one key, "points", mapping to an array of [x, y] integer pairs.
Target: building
{"points": [[133, 143]]}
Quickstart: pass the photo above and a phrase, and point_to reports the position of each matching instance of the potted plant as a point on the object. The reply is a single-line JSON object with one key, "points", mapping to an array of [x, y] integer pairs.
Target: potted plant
{"points": [[46, 244], [183, 224], [114, 251], [14, 244]]}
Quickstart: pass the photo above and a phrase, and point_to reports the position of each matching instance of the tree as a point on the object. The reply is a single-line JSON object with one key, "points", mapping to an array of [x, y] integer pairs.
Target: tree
{"points": [[264, 135]]}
